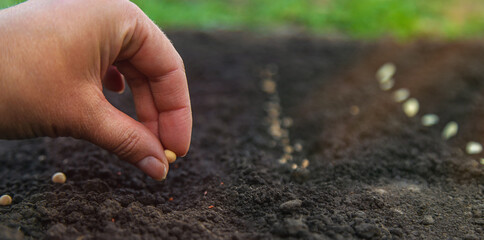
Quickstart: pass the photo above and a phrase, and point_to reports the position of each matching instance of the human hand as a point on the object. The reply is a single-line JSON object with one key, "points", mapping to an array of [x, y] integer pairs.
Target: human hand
{"points": [[56, 56]]}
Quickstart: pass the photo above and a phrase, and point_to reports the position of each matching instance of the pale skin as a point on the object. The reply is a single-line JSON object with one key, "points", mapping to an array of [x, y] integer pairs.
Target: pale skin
{"points": [[56, 57]]}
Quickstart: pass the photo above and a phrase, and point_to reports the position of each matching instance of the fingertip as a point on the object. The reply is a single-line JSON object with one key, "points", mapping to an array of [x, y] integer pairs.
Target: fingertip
{"points": [[153, 167]]}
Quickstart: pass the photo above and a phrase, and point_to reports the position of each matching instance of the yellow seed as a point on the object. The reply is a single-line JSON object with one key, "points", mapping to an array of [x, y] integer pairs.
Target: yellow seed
{"points": [[294, 166], [387, 85], [298, 147], [59, 177], [430, 119], [5, 200], [269, 86], [401, 95], [305, 163], [385, 72], [287, 122], [275, 130], [170, 156], [288, 149], [473, 148], [410, 107], [450, 130]]}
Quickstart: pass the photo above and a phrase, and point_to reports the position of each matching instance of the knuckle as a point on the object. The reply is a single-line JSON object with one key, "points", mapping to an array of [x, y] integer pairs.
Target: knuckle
{"points": [[127, 146]]}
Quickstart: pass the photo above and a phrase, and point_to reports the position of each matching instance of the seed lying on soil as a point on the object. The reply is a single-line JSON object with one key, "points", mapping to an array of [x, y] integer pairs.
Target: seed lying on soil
{"points": [[450, 130], [401, 95], [305, 163], [294, 166], [298, 147], [59, 177], [269, 86], [354, 110], [430, 119], [287, 122], [387, 85], [385, 72], [275, 130], [5, 200], [288, 149], [170, 156], [473, 148], [482, 161], [410, 107]]}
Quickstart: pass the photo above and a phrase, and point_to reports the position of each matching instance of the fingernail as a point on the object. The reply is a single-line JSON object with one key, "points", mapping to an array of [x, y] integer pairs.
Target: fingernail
{"points": [[153, 167]]}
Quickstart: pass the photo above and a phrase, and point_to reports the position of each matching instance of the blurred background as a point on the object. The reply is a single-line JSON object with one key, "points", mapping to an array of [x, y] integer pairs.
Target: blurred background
{"points": [[363, 19]]}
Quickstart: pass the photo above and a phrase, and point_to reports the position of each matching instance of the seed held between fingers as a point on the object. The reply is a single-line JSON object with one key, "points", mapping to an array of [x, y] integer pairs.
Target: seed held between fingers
{"points": [[5, 200], [59, 177], [170, 156]]}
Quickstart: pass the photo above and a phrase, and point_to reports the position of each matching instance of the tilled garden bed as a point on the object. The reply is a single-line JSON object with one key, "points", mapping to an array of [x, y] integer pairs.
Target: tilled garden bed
{"points": [[293, 138]]}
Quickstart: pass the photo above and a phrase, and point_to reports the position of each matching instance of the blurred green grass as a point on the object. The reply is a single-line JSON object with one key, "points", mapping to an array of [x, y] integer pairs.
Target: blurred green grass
{"points": [[402, 19]]}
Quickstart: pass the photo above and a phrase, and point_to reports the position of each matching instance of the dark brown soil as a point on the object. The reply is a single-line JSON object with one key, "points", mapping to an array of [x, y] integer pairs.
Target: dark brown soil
{"points": [[375, 175]]}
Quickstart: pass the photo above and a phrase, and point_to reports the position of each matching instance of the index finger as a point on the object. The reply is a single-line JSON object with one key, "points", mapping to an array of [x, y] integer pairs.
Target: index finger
{"points": [[153, 55]]}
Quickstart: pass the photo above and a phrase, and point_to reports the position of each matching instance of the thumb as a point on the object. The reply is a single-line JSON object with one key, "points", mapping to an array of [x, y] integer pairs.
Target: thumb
{"points": [[129, 139]]}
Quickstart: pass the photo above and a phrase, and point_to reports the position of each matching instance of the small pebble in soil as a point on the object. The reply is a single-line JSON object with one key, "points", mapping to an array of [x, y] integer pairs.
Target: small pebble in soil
{"points": [[367, 230], [282, 160], [290, 205], [59, 177], [386, 72], [295, 226], [428, 220], [387, 85], [411, 107], [473, 148], [450, 130], [300, 175], [294, 166], [305, 163], [401, 95], [170, 156], [354, 110], [429, 120], [5, 200]]}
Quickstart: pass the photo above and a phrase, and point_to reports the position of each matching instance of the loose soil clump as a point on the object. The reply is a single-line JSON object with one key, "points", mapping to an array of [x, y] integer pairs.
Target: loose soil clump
{"points": [[356, 167]]}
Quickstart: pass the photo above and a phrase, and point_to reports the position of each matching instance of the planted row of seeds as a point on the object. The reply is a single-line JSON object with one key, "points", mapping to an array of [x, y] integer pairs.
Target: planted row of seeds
{"points": [[278, 125], [411, 107]]}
